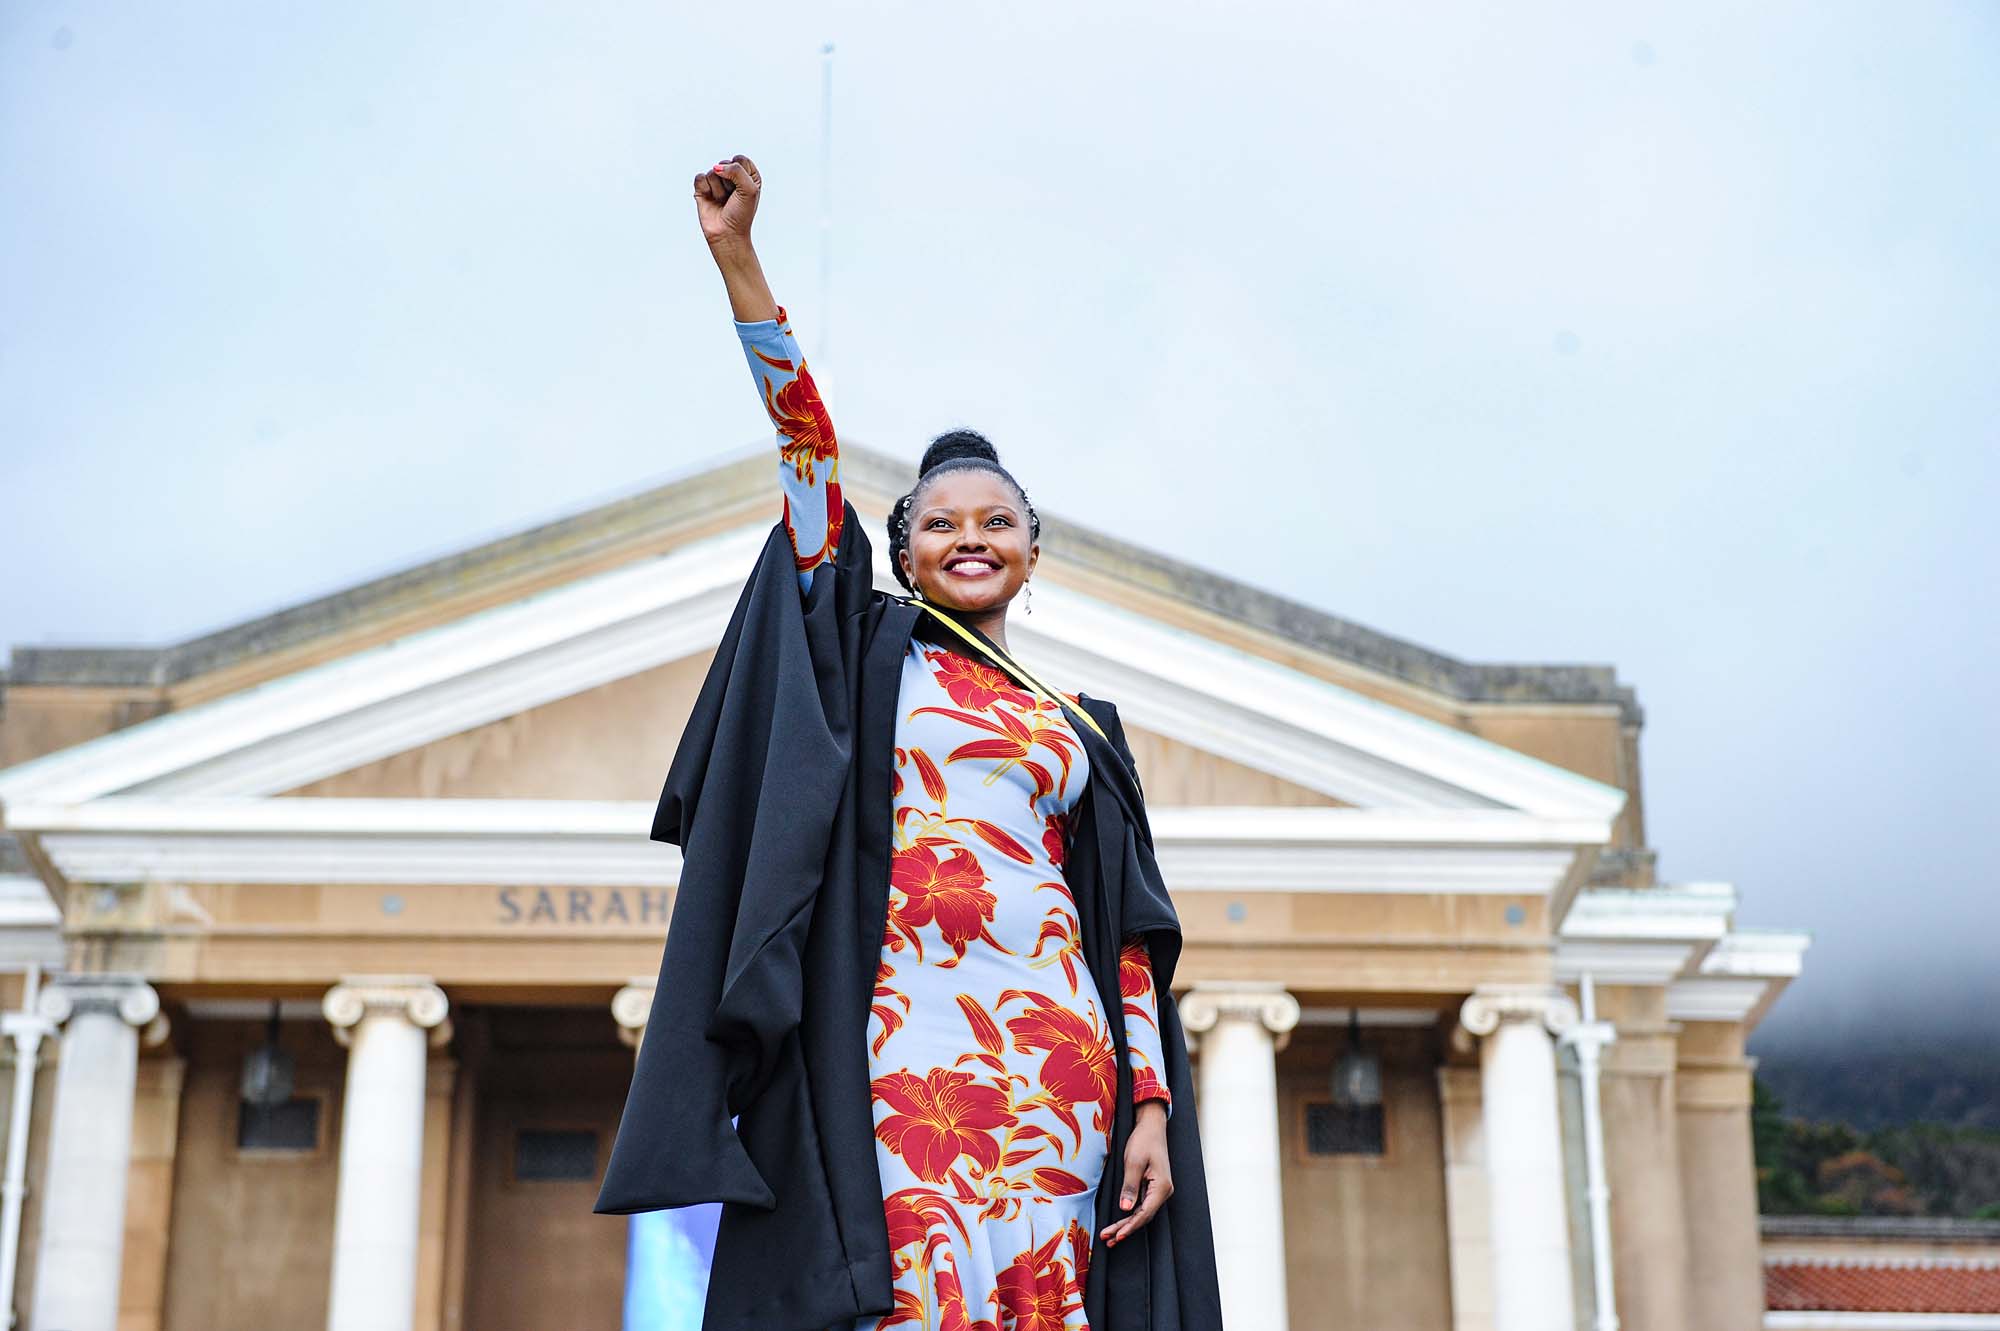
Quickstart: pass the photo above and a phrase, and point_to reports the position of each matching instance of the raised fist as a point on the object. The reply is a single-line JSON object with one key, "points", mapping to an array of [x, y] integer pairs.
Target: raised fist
{"points": [[725, 200]]}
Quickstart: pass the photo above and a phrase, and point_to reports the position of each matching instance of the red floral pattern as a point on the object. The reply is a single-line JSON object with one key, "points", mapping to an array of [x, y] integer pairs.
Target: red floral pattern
{"points": [[947, 890], [808, 452], [992, 1063], [935, 1119], [975, 685]]}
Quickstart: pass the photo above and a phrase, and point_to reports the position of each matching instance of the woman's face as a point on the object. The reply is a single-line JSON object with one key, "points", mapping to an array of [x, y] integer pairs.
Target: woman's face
{"points": [[969, 544]]}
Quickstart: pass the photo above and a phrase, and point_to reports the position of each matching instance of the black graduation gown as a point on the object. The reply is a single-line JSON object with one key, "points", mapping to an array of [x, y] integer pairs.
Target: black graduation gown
{"points": [[778, 796]]}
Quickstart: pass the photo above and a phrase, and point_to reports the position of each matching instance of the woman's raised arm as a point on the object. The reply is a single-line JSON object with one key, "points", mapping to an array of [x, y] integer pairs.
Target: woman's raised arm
{"points": [[725, 198]]}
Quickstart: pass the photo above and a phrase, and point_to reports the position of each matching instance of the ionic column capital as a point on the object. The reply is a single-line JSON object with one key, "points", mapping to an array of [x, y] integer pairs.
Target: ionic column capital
{"points": [[413, 998], [128, 997], [1491, 1005], [630, 1007], [1266, 1004]]}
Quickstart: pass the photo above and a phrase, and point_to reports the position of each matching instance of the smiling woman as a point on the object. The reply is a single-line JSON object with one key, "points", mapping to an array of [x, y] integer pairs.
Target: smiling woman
{"points": [[966, 536], [1022, 1055]]}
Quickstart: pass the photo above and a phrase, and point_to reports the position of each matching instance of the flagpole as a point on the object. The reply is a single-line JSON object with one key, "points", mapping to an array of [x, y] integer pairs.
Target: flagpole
{"points": [[825, 319]]}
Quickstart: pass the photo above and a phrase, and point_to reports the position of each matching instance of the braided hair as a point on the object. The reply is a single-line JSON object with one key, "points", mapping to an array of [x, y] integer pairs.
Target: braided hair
{"points": [[954, 450]]}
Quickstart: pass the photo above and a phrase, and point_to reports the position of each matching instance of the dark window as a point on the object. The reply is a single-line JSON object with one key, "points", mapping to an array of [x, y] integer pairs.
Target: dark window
{"points": [[1334, 1130], [544, 1155], [291, 1126]]}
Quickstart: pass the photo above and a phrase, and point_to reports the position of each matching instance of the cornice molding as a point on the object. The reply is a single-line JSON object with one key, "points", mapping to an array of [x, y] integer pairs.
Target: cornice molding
{"points": [[1643, 936], [604, 843], [1622, 961], [1740, 978], [1694, 912]]}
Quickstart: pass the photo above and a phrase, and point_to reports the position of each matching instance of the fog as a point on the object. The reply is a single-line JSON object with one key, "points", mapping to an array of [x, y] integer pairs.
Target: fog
{"points": [[1659, 336]]}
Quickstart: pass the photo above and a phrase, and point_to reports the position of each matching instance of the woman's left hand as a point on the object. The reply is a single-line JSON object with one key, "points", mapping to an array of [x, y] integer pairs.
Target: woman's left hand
{"points": [[1145, 1164]]}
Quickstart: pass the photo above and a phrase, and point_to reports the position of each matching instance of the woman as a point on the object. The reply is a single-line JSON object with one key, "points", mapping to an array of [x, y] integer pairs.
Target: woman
{"points": [[939, 1086]]}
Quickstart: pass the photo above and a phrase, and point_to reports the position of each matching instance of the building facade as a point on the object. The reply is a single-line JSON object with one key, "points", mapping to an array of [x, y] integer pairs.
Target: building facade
{"points": [[327, 939]]}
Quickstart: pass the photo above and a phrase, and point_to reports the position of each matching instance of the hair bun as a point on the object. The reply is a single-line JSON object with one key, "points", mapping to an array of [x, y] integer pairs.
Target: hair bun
{"points": [[955, 444]]}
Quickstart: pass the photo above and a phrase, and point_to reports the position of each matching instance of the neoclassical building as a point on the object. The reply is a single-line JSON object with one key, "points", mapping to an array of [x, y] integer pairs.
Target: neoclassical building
{"points": [[327, 938]]}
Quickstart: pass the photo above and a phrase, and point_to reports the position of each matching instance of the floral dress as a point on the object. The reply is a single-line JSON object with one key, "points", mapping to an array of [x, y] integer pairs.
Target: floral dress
{"points": [[990, 1065]]}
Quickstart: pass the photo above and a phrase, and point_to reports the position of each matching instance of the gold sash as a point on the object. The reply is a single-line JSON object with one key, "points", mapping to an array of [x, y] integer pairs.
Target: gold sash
{"points": [[1008, 664]]}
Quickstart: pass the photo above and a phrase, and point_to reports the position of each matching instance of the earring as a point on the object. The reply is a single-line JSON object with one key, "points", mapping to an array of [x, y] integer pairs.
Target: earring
{"points": [[1029, 591]]}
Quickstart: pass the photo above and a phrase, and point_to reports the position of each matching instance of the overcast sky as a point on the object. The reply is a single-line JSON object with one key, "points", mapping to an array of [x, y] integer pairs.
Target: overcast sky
{"points": [[1660, 336]]}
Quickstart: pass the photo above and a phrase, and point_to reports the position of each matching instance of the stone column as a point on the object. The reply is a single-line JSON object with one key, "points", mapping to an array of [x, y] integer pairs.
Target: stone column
{"points": [[1468, 1207], [1242, 1027], [387, 1023], [631, 1007], [78, 1267], [1524, 1158], [1642, 1157], [156, 1137], [1719, 1178], [434, 1206]]}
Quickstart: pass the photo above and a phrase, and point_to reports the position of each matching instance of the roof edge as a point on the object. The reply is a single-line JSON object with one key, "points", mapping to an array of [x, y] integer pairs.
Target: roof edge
{"points": [[1877, 1227], [734, 476]]}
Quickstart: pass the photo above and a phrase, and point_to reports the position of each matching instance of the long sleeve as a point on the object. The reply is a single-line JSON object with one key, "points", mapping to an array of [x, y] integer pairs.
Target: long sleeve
{"points": [[808, 455], [1142, 1023]]}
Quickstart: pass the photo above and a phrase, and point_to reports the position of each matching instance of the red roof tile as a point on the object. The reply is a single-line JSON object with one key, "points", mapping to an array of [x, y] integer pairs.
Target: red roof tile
{"points": [[1853, 1287]]}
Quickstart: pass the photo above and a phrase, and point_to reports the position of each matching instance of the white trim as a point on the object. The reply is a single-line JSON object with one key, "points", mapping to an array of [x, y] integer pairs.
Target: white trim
{"points": [[30, 925], [1696, 912], [1740, 978], [1301, 825], [1614, 961], [1768, 954], [501, 661], [25, 903], [1471, 871], [590, 842], [1647, 935], [1841, 1321], [1703, 999], [626, 861], [1334, 740], [339, 817]]}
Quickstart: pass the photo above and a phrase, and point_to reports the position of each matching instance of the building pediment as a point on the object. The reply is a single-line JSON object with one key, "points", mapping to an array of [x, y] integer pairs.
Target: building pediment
{"points": [[526, 733], [399, 696]]}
